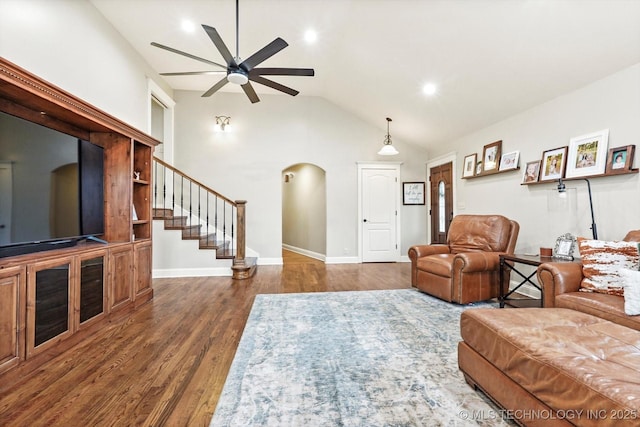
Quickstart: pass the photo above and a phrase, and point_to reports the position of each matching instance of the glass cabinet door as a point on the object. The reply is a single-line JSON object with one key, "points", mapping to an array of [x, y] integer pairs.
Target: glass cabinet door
{"points": [[91, 288], [49, 292]]}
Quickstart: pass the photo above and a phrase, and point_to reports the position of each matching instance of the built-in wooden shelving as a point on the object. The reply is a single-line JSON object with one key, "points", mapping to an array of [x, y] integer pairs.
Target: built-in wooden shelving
{"points": [[123, 278]]}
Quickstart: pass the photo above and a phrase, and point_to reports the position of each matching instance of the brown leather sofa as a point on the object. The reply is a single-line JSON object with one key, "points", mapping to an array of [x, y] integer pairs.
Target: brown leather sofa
{"points": [[466, 268], [573, 362], [561, 288]]}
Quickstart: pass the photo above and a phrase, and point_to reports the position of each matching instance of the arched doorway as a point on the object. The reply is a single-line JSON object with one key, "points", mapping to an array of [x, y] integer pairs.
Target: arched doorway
{"points": [[304, 210]]}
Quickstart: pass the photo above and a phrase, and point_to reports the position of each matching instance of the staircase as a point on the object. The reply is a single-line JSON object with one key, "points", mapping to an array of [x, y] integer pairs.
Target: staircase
{"points": [[202, 214]]}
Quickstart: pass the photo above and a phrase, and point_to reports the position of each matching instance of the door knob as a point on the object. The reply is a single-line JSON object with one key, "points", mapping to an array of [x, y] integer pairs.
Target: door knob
{"points": [[365, 220]]}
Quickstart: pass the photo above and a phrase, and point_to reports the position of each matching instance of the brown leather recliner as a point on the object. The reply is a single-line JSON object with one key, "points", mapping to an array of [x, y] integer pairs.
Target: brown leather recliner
{"points": [[467, 268]]}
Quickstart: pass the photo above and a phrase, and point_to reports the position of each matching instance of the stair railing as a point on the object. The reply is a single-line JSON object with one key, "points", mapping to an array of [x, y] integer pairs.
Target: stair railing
{"points": [[201, 212]]}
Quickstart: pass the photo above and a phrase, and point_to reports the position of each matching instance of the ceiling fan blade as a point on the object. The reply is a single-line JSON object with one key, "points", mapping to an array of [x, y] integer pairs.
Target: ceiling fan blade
{"points": [[250, 92], [216, 87], [282, 72], [222, 48], [192, 73], [274, 85], [188, 55], [263, 54]]}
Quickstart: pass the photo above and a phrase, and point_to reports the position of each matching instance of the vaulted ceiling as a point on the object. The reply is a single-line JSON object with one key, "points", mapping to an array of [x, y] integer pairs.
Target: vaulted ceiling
{"points": [[489, 59]]}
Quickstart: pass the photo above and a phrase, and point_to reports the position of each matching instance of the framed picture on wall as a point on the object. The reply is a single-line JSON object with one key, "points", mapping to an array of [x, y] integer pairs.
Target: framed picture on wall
{"points": [[587, 154], [620, 159], [509, 161], [469, 168], [491, 156], [553, 164], [413, 193], [531, 172]]}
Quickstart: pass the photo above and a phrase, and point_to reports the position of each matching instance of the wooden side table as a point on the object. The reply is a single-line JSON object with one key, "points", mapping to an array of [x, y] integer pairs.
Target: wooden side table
{"points": [[510, 261]]}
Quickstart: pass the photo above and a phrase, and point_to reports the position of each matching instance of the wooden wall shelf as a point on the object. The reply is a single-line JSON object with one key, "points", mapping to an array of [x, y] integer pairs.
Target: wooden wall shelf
{"points": [[602, 175], [480, 175]]}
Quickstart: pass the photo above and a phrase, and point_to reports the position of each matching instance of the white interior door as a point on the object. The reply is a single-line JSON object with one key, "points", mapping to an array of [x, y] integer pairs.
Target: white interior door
{"points": [[380, 191], [5, 203]]}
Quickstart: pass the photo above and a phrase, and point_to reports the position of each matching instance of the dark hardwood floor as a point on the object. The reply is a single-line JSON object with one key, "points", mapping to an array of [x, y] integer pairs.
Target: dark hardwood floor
{"points": [[166, 364]]}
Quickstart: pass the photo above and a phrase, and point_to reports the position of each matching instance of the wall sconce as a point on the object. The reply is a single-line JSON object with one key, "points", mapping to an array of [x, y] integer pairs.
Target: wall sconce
{"points": [[562, 192], [223, 122]]}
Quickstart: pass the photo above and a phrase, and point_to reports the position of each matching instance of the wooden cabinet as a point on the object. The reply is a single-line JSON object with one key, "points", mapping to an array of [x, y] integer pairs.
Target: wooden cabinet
{"points": [[12, 316], [120, 277], [142, 272], [52, 300]]}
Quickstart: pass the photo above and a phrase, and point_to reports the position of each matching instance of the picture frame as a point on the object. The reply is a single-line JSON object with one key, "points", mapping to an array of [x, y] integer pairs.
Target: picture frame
{"points": [[413, 193], [531, 172], [553, 164], [620, 159], [509, 161], [469, 168], [564, 247], [479, 167], [491, 156], [587, 154]]}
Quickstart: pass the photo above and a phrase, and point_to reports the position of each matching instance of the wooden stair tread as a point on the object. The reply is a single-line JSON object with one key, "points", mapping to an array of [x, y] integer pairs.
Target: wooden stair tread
{"points": [[162, 213]]}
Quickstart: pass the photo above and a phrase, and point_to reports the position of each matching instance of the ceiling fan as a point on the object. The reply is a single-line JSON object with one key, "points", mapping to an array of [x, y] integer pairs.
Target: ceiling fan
{"points": [[242, 72]]}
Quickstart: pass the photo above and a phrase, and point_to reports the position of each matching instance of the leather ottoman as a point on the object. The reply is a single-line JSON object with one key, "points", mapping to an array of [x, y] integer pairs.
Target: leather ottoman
{"points": [[553, 366]]}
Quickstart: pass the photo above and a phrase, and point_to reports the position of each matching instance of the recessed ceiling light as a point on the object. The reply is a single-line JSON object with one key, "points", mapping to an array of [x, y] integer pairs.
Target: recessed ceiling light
{"points": [[310, 36], [429, 89], [188, 26]]}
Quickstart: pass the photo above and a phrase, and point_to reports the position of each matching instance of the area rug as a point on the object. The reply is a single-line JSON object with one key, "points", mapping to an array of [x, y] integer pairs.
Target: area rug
{"points": [[365, 358]]}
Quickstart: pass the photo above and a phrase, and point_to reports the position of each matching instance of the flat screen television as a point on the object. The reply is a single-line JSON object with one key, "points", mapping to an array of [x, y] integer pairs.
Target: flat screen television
{"points": [[51, 188]]}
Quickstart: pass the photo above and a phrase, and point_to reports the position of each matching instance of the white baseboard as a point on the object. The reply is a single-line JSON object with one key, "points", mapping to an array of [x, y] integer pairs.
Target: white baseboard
{"points": [[305, 252], [191, 272], [526, 290], [270, 261]]}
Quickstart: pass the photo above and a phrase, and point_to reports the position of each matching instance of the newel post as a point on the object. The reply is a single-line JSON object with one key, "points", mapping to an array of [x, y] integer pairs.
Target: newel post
{"points": [[243, 268], [241, 241]]}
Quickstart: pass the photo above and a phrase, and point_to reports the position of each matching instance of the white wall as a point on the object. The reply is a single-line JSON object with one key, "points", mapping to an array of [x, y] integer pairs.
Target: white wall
{"points": [[611, 103], [69, 43], [273, 134]]}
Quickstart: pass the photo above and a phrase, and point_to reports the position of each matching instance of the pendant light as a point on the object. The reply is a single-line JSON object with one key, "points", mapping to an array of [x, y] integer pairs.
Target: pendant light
{"points": [[388, 149]]}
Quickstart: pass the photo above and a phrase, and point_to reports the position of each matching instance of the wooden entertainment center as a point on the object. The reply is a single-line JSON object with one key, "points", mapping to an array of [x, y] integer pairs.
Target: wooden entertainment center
{"points": [[52, 300]]}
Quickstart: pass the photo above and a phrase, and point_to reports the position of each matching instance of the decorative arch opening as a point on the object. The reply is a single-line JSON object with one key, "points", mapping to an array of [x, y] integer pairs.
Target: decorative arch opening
{"points": [[304, 210]]}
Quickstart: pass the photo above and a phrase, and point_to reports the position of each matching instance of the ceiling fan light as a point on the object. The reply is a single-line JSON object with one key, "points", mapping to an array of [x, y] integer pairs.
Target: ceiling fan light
{"points": [[237, 78]]}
